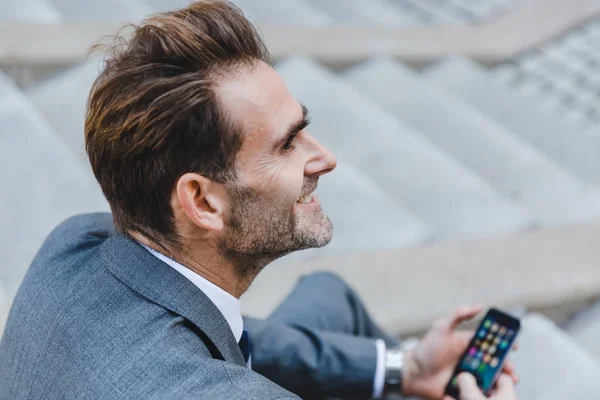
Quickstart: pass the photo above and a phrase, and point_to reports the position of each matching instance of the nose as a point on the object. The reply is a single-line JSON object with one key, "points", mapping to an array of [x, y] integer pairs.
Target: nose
{"points": [[322, 161]]}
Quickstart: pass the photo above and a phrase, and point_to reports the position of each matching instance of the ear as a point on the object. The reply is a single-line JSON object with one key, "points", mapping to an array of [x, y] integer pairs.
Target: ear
{"points": [[202, 200]]}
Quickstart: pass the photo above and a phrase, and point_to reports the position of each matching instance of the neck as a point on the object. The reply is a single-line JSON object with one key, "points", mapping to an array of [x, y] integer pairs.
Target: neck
{"points": [[234, 274]]}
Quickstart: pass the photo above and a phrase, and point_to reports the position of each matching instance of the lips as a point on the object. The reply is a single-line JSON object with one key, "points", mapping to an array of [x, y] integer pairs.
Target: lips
{"points": [[306, 194], [305, 199]]}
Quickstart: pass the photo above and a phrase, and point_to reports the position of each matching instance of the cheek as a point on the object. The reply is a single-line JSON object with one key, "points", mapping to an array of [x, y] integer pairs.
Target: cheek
{"points": [[290, 184], [279, 179]]}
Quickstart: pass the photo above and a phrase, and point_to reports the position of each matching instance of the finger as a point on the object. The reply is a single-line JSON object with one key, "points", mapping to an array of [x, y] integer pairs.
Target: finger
{"points": [[467, 385], [464, 338], [509, 369], [505, 386], [460, 315]]}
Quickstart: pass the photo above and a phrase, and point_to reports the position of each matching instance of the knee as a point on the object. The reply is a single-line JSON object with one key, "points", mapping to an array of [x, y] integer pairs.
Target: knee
{"points": [[327, 279]]}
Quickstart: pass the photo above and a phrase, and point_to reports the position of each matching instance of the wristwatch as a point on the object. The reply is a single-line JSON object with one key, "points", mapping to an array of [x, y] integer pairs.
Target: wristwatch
{"points": [[394, 362]]}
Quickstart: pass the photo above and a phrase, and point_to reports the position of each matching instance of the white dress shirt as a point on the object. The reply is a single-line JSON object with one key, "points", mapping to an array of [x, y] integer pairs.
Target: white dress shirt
{"points": [[227, 304], [230, 307]]}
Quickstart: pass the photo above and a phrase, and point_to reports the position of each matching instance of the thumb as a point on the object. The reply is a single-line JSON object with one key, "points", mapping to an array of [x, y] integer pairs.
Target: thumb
{"points": [[467, 385]]}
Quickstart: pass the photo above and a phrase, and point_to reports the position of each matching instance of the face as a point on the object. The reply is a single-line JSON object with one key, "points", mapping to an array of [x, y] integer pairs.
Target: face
{"points": [[272, 210]]}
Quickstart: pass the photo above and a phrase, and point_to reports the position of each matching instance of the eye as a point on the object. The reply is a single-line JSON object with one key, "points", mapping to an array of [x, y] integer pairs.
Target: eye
{"points": [[289, 144]]}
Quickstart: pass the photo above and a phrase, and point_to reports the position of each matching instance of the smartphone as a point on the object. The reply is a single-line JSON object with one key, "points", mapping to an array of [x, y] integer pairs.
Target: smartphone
{"points": [[487, 351]]}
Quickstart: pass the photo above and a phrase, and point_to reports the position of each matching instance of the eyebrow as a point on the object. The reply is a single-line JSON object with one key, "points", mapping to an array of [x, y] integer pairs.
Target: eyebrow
{"points": [[295, 127]]}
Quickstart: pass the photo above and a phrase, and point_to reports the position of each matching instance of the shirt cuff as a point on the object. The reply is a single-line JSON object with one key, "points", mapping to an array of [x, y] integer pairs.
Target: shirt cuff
{"points": [[379, 379]]}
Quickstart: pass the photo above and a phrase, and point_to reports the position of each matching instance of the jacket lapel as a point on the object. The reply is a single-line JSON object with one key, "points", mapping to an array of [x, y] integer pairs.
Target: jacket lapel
{"points": [[158, 282]]}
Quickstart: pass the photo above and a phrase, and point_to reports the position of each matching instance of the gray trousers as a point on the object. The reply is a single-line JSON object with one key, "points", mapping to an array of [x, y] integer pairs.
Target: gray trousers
{"points": [[319, 342]]}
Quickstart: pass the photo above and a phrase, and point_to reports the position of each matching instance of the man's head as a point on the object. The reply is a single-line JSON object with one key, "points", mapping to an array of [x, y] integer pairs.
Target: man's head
{"points": [[194, 139]]}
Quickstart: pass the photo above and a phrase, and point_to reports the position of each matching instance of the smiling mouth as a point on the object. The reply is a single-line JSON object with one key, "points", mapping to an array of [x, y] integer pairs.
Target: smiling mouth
{"points": [[305, 199]]}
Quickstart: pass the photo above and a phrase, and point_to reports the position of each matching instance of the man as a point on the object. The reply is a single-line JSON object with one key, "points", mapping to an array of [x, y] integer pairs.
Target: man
{"points": [[209, 170]]}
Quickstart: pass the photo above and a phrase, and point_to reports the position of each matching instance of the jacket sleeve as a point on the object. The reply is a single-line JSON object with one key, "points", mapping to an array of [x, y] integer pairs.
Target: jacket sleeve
{"points": [[312, 363]]}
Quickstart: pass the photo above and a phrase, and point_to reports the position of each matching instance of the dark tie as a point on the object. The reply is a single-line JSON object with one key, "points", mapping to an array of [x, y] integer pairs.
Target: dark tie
{"points": [[245, 345]]}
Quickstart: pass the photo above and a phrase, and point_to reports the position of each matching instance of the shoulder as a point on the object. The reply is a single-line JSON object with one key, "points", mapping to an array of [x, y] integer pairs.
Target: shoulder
{"points": [[173, 376], [82, 226], [170, 361]]}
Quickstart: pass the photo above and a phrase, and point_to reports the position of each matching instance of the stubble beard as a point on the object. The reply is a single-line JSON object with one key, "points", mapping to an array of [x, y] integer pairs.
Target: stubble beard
{"points": [[260, 232]]}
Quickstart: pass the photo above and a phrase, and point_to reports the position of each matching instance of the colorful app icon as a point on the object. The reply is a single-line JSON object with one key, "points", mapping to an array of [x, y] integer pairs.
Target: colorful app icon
{"points": [[477, 343], [502, 330], [485, 346], [490, 337], [481, 334], [494, 362], [496, 340], [454, 381], [510, 333], [487, 323], [495, 327], [487, 358], [482, 368], [479, 354], [492, 350], [504, 345], [475, 364], [472, 351]]}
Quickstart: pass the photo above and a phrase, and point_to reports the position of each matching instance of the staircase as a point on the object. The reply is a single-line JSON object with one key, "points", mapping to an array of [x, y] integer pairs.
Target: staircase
{"points": [[468, 181]]}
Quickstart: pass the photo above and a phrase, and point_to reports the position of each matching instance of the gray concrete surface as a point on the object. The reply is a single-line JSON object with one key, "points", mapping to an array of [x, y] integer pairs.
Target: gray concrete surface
{"points": [[585, 330], [284, 12], [30, 11], [551, 194], [407, 289], [105, 10], [42, 183], [551, 366], [62, 101], [381, 13], [548, 133]]}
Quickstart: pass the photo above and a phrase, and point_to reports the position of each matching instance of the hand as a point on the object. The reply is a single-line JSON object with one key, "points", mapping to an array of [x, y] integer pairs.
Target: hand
{"points": [[504, 390], [428, 368]]}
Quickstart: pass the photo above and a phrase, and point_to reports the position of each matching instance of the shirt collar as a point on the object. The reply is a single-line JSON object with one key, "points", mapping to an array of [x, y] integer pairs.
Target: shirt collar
{"points": [[227, 304]]}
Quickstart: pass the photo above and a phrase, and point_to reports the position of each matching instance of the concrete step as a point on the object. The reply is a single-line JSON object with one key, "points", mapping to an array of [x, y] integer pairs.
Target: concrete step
{"points": [[561, 75], [553, 195], [34, 11], [62, 100], [377, 12], [433, 12], [483, 11], [546, 353], [406, 289], [288, 12], [475, 85], [166, 5], [106, 10], [42, 183], [585, 330], [421, 176]]}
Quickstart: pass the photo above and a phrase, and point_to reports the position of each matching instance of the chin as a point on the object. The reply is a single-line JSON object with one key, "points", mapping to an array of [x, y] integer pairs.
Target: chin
{"points": [[316, 236]]}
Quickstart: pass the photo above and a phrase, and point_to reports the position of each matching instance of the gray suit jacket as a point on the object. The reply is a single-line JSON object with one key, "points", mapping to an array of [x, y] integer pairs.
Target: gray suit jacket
{"points": [[99, 317]]}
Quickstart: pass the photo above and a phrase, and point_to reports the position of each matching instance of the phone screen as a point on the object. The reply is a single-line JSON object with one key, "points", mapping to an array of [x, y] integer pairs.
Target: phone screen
{"points": [[487, 351]]}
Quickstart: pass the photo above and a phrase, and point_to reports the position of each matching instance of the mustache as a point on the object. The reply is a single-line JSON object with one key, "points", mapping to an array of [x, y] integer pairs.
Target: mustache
{"points": [[308, 186]]}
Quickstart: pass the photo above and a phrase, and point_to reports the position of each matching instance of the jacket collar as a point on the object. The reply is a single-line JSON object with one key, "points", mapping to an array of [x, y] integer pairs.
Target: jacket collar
{"points": [[161, 284]]}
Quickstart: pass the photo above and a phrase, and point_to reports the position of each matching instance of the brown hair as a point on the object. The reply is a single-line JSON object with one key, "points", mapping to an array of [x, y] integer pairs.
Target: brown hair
{"points": [[152, 114]]}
